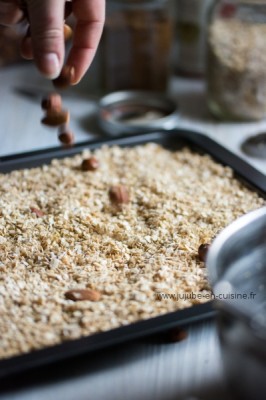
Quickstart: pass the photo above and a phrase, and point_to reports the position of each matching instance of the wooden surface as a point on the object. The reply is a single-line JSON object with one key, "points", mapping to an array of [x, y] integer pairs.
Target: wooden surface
{"points": [[146, 370]]}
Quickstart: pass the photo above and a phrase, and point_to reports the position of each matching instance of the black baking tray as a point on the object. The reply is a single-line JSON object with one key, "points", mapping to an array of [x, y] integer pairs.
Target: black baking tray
{"points": [[172, 140]]}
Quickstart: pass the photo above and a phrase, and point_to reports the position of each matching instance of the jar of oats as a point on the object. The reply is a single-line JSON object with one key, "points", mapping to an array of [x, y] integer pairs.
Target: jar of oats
{"points": [[236, 78], [136, 45]]}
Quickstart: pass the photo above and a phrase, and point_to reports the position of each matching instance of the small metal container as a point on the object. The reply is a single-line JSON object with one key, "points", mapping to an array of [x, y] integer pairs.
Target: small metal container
{"points": [[136, 111], [237, 270], [255, 146]]}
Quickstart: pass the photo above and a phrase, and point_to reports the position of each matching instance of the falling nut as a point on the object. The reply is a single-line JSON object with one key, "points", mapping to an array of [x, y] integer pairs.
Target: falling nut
{"points": [[37, 212], [66, 138], [90, 164], [52, 102], [83, 294], [55, 117], [119, 194], [65, 78], [65, 135], [203, 250]]}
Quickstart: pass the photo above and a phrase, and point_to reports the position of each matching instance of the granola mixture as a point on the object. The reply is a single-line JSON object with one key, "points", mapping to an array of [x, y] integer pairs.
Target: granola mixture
{"points": [[81, 240]]}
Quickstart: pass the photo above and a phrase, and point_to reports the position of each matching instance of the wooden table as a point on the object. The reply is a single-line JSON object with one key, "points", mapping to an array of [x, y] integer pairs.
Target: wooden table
{"points": [[190, 369]]}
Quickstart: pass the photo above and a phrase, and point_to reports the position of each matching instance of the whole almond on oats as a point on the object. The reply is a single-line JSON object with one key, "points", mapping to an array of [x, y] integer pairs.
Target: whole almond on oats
{"points": [[107, 245], [90, 164], [37, 212], [203, 251], [119, 194], [83, 294], [55, 117], [52, 102]]}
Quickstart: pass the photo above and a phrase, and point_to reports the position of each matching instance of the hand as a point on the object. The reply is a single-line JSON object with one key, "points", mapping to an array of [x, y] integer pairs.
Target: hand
{"points": [[46, 42]]}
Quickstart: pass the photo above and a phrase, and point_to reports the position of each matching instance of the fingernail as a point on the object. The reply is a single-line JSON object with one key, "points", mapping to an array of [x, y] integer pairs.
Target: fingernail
{"points": [[74, 80], [51, 65], [72, 75]]}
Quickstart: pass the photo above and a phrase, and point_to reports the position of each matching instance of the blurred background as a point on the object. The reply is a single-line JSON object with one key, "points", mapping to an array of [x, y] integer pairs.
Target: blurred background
{"points": [[208, 56]]}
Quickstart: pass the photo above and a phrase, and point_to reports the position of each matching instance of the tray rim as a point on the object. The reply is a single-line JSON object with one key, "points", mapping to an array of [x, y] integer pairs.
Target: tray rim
{"points": [[220, 153], [251, 176], [106, 339]]}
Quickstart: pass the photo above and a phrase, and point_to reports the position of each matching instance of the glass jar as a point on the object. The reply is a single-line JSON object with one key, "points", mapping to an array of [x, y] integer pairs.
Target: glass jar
{"points": [[136, 45], [236, 81], [191, 31]]}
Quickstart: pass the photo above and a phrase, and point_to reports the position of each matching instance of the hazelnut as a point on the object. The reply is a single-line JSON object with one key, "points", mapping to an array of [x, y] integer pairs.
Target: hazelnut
{"points": [[65, 136], [65, 78], [119, 194], [68, 33], [177, 335], [83, 295], [90, 164], [203, 250], [52, 102], [56, 117]]}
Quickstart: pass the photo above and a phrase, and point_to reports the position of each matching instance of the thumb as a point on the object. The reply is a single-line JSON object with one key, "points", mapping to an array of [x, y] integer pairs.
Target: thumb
{"points": [[46, 21]]}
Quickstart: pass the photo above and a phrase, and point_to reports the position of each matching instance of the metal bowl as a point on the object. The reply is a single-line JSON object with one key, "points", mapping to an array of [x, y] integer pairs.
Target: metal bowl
{"points": [[129, 112], [236, 266]]}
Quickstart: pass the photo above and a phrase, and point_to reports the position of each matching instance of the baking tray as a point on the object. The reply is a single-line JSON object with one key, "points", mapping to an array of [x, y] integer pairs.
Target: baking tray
{"points": [[172, 140]]}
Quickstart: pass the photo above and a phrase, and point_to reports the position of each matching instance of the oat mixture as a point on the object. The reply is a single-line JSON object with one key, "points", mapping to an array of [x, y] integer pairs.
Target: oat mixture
{"points": [[79, 239]]}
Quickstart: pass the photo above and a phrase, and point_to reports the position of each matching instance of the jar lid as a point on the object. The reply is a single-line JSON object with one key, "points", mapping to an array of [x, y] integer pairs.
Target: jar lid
{"points": [[255, 146], [128, 112]]}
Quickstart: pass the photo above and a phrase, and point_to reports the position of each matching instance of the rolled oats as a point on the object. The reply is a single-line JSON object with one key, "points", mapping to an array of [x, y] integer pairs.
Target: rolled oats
{"points": [[178, 200]]}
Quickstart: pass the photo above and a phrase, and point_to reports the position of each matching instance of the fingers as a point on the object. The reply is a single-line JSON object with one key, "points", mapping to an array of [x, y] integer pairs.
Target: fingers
{"points": [[90, 19], [9, 12], [46, 42], [26, 46], [47, 36]]}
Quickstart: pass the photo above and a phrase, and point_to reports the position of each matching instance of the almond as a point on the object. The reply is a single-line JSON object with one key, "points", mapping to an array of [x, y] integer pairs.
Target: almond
{"points": [[36, 211], [83, 294], [119, 194], [203, 251]]}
